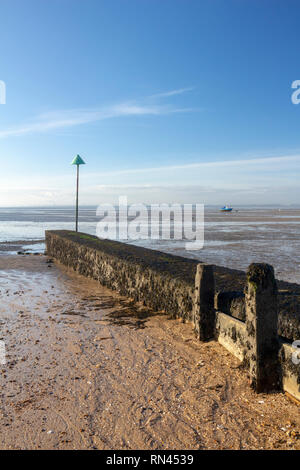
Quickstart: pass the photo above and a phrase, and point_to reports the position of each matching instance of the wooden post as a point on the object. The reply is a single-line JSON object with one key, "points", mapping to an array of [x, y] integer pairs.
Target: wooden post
{"points": [[203, 310], [261, 326]]}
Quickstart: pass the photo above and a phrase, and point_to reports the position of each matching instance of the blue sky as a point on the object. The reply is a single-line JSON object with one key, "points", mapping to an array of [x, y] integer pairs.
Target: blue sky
{"points": [[166, 100]]}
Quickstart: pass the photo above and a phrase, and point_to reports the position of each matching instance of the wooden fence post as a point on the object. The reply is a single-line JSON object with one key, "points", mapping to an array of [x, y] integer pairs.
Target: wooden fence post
{"points": [[261, 326], [204, 317]]}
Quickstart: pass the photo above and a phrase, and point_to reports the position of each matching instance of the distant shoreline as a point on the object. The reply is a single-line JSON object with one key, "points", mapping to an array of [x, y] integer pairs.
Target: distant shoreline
{"points": [[13, 247]]}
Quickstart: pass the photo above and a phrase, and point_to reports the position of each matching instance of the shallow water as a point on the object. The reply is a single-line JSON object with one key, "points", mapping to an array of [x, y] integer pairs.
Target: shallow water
{"points": [[250, 235], [231, 239]]}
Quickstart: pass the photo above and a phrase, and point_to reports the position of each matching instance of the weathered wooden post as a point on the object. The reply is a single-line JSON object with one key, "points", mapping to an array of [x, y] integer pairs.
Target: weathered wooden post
{"points": [[261, 326], [204, 317]]}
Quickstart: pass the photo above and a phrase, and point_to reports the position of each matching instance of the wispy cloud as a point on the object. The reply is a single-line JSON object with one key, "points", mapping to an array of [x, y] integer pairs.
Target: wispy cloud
{"points": [[254, 162], [166, 94], [75, 117], [259, 180]]}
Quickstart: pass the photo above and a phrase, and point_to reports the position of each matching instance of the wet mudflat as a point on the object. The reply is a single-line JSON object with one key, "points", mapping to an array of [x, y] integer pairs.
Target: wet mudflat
{"points": [[87, 369]]}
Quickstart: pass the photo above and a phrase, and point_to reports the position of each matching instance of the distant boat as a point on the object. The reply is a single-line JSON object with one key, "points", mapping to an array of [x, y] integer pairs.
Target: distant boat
{"points": [[226, 209]]}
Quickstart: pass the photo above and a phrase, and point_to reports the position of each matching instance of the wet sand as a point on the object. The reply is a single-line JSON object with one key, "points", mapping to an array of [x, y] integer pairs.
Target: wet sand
{"points": [[87, 369], [247, 236]]}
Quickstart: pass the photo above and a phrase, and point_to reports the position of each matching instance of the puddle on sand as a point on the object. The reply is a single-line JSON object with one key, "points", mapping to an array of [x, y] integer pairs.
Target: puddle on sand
{"points": [[35, 248]]}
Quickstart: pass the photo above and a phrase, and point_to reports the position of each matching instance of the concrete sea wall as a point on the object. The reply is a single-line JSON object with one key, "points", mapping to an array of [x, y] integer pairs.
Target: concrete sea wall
{"points": [[162, 282], [251, 324]]}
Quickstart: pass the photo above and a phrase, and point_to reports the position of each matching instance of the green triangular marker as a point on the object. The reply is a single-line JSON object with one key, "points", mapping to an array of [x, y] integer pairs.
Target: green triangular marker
{"points": [[78, 161]]}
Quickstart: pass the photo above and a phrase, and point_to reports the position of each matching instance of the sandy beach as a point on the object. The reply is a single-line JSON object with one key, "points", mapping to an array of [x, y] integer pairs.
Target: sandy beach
{"points": [[87, 369], [149, 228]]}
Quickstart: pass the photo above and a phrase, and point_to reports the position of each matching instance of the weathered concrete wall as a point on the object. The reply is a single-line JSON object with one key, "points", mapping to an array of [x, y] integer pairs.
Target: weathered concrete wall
{"points": [[289, 316], [290, 371], [233, 303], [231, 333], [262, 327], [185, 288], [204, 317], [161, 281], [256, 342]]}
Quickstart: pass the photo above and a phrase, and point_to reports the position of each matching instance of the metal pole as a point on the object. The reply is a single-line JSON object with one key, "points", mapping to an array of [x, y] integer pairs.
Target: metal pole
{"points": [[77, 185], [77, 161]]}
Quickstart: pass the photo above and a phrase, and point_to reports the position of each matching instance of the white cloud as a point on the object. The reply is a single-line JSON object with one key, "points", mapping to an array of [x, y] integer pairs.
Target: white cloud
{"points": [[166, 94], [266, 163], [74, 117], [252, 181], [150, 194]]}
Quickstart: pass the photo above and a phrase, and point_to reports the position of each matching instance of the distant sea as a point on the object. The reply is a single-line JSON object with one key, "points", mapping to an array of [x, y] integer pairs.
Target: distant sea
{"points": [[29, 223], [248, 234]]}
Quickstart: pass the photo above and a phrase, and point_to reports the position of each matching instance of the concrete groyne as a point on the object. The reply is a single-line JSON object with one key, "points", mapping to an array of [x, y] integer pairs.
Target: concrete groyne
{"points": [[250, 323]]}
